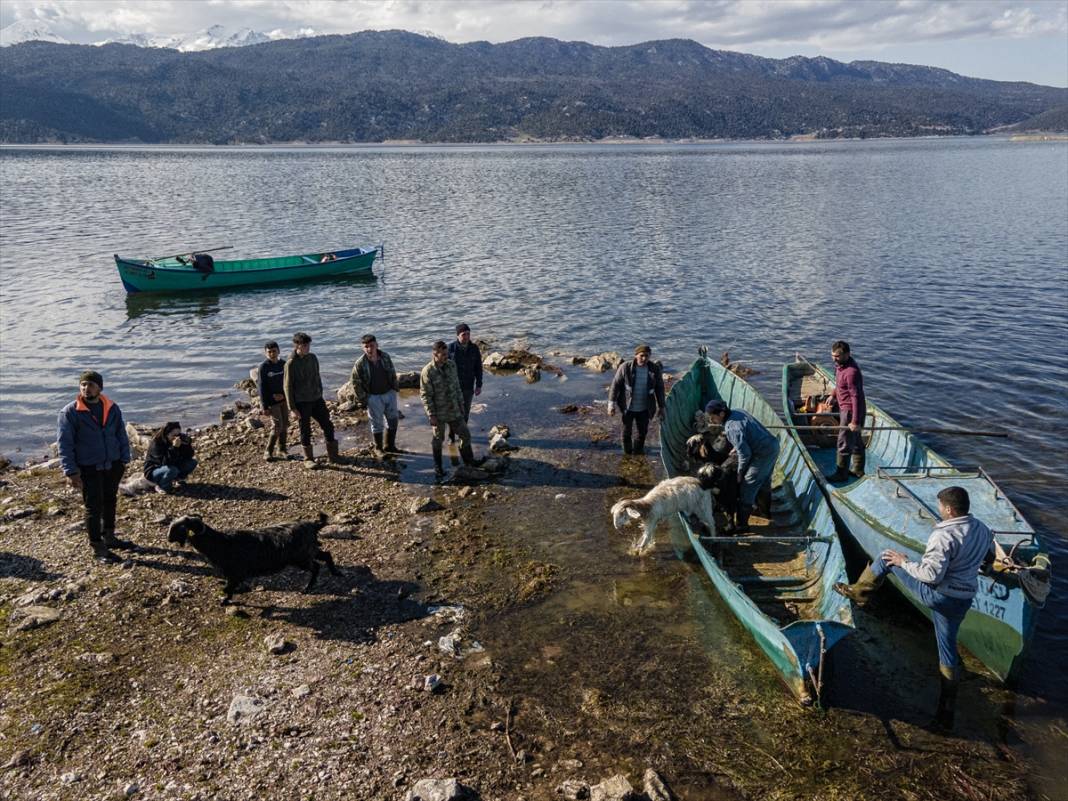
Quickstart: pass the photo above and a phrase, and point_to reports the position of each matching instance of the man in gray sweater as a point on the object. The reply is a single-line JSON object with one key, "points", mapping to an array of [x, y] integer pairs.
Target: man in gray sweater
{"points": [[944, 580]]}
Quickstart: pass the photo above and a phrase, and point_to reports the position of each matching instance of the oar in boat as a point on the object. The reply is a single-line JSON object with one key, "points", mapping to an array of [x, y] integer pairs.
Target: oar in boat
{"points": [[959, 432], [192, 251]]}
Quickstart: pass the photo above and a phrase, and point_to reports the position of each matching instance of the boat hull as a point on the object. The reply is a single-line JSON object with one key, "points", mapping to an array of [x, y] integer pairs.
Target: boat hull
{"points": [[168, 275], [894, 507], [799, 649]]}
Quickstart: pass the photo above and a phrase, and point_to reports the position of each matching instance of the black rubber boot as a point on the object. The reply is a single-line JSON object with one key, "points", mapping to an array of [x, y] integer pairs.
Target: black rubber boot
{"points": [[949, 682], [439, 468], [743, 518], [468, 456], [842, 473], [639, 446], [856, 464], [861, 590], [114, 543], [628, 447], [332, 454], [391, 441], [377, 435], [102, 554], [309, 456]]}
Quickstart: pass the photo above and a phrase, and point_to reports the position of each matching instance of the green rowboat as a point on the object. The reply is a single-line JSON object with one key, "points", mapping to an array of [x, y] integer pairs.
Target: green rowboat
{"points": [[894, 506], [777, 582], [181, 273]]}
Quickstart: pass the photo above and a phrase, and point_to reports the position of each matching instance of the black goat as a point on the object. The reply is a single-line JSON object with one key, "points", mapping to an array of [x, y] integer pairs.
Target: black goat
{"points": [[243, 553]]}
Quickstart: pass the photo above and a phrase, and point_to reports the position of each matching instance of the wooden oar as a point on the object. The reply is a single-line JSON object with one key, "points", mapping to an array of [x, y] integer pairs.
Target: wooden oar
{"points": [[191, 252], [958, 432]]}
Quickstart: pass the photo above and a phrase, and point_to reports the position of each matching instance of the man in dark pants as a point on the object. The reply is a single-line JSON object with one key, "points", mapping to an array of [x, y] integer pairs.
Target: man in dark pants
{"points": [[637, 391], [945, 580], [468, 360], [94, 451], [852, 408], [304, 394], [273, 399]]}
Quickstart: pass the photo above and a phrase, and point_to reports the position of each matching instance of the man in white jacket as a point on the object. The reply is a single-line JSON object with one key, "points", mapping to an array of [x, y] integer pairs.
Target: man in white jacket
{"points": [[944, 580]]}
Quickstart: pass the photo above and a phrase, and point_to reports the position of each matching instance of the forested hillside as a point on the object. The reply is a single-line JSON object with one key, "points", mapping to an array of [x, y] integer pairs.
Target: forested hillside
{"points": [[376, 86]]}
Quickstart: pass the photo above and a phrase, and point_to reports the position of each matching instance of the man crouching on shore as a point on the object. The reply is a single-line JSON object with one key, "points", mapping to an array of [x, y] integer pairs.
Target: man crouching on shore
{"points": [[94, 451]]}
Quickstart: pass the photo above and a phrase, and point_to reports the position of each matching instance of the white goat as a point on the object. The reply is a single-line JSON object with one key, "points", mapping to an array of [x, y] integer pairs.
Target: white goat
{"points": [[672, 495]]}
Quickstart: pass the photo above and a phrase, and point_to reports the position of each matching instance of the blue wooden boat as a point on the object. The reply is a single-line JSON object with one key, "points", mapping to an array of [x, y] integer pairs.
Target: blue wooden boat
{"points": [[894, 506], [778, 582], [193, 272]]}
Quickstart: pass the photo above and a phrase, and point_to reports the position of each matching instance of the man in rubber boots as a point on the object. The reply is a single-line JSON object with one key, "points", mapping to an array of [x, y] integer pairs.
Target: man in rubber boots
{"points": [[757, 450], [852, 408], [439, 389], [468, 360], [374, 381], [945, 580], [94, 451], [304, 394]]}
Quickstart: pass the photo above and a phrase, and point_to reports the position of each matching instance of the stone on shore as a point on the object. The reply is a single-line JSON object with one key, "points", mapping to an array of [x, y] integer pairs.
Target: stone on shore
{"points": [[654, 787], [33, 617], [440, 790], [616, 788], [609, 360], [244, 709]]}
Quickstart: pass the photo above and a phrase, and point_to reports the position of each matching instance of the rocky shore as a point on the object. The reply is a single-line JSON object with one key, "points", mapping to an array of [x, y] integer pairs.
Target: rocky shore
{"points": [[467, 651]]}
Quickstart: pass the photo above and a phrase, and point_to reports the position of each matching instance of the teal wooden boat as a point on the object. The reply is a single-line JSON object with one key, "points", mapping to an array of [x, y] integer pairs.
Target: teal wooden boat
{"points": [[894, 506], [181, 273], [778, 582]]}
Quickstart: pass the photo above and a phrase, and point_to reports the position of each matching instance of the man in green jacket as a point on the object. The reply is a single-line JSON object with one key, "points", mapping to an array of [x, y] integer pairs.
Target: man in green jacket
{"points": [[439, 389], [374, 380], [304, 394]]}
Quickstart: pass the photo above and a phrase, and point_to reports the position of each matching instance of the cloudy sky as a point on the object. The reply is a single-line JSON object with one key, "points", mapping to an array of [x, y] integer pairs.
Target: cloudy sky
{"points": [[998, 39]]}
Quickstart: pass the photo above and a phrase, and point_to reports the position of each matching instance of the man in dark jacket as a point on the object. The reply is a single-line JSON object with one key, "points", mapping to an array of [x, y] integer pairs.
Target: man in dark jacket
{"points": [[637, 391], [468, 360], [374, 382], [273, 399], [852, 408], [94, 451], [304, 394]]}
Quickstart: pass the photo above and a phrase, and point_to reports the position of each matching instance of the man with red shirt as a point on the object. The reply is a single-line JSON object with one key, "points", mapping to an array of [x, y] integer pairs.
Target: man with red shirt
{"points": [[94, 451], [852, 408]]}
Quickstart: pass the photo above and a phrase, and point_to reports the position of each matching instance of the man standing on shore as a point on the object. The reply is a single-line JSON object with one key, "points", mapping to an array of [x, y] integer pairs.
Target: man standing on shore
{"points": [[304, 394], [94, 451], [374, 381], [273, 399], [945, 580], [637, 391], [439, 389], [468, 360], [852, 408]]}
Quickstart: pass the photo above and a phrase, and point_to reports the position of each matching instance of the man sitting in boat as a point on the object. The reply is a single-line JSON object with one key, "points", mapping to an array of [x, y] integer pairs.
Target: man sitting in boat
{"points": [[757, 450], [327, 257], [945, 580]]}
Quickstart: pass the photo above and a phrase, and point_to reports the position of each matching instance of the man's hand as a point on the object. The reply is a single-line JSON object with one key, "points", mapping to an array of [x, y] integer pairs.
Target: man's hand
{"points": [[854, 427], [611, 410], [478, 390], [75, 481], [295, 414], [279, 398], [433, 421], [894, 558]]}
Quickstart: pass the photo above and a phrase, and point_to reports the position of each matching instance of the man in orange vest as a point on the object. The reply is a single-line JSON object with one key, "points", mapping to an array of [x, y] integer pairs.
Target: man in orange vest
{"points": [[94, 451]]}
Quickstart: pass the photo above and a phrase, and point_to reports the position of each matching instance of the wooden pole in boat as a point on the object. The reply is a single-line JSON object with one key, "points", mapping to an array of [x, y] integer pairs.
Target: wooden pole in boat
{"points": [[958, 432], [191, 252]]}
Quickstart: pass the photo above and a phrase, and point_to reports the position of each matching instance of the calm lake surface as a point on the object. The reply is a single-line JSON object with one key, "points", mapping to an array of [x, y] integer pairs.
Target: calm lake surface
{"points": [[943, 262]]}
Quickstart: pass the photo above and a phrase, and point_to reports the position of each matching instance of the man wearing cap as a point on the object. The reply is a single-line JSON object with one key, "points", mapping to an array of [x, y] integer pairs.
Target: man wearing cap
{"points": [[468, 360], [757, 450], [374, 380], [94, 451], [637, 391]]}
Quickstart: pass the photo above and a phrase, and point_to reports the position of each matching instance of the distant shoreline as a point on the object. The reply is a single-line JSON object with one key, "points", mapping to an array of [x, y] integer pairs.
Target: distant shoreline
{"points": [[404, 143]]}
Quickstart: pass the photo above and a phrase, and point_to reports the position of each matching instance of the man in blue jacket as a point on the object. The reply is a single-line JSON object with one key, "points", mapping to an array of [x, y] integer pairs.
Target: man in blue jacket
{"points": [[94, 451], [757, 450]]}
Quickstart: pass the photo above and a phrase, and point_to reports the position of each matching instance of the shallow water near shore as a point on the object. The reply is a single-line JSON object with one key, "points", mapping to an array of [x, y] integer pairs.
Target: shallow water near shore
{"points": [[945, 263]]}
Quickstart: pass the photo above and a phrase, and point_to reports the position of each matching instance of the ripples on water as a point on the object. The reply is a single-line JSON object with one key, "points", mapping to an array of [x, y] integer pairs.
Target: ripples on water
{"points": [[944, 263]]}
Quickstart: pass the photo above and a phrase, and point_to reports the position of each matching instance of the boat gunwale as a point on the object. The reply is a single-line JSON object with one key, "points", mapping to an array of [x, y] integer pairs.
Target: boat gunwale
{"points": [[191, 271]]}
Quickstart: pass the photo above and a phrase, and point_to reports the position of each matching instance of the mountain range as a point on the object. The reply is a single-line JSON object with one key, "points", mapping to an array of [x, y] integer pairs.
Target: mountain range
{"points": [[379, 86], [208, 39]]}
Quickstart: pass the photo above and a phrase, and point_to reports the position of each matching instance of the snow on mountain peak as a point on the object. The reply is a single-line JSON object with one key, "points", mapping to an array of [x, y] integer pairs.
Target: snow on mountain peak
{"points": [[29, 30]]}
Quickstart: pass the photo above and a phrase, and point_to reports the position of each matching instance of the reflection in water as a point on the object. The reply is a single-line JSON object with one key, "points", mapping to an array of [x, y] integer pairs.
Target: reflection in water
{"points": [[198, 304]]}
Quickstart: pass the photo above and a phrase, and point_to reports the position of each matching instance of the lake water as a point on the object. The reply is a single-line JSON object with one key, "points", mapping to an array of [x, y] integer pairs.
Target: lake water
{"points": [[943, 262]]}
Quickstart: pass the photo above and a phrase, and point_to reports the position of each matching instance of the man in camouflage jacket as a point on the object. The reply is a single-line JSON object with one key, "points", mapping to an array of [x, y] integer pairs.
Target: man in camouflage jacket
{"points": [[439, 389]]}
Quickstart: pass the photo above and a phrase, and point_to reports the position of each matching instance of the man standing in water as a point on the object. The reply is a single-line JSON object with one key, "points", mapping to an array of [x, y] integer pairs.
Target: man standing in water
{"points": [[637, 391], [304, 394], [757, 450], [374, 381], [852, 408], [94, 451], [468, 360], [945, 580], [273, 399], [439, 389]]}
